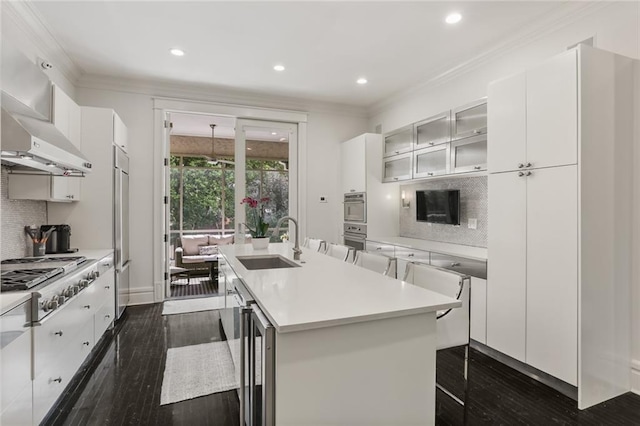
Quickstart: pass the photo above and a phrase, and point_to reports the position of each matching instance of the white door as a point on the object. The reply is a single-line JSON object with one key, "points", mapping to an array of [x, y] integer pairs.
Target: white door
{"points": [[507, 123], [506, 292], [552, 112], [265, 183], [552, 271]]}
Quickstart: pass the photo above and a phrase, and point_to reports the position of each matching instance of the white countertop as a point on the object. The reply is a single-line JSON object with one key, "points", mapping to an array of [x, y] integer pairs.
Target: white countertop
{"points": [[470, 252], [325, 291], [88, 253], [10, 300]]}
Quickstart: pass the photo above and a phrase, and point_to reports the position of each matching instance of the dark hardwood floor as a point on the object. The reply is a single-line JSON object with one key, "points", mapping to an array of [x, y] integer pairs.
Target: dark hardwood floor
{"points": [[194, 287], [122, 386]]}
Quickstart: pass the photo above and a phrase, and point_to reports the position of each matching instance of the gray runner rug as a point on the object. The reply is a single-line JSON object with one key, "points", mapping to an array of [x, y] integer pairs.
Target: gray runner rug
{"points": [[197, 370]]}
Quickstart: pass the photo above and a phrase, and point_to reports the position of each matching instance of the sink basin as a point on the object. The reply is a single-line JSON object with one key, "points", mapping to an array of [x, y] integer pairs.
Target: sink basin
{"points": [[267, 261]]}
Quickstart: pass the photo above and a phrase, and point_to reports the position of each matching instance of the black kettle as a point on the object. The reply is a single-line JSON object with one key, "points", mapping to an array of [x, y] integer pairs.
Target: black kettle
{"points": [[60, 239]]}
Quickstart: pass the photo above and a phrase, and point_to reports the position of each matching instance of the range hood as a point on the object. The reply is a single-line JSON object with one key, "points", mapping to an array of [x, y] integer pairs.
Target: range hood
{"points": [[35, 144], [29, 139]]}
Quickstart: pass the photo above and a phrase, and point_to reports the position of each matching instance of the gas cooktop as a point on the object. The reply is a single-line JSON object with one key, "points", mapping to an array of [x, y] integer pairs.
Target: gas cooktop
{"points": [[28, 272]]}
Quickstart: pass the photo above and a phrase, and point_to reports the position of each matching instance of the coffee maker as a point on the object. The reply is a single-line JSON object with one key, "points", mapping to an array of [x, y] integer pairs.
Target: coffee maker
{"points": [[60, 239]]}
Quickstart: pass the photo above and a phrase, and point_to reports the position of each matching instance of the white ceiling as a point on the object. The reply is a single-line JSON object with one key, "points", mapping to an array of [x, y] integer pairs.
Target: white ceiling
{"points": [[325, 46]]}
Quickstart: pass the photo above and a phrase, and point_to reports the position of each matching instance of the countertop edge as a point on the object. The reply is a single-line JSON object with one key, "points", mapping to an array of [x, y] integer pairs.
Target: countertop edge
{"points": [[389, 240], [359, 319]]}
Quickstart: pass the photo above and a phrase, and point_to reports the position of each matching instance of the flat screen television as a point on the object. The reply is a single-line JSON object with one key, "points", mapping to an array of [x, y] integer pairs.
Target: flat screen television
{"points": [[438, 206]]}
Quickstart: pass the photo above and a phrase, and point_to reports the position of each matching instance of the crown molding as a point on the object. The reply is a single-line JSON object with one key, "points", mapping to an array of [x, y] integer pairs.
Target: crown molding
{"points": [[569, 13], [212, 93], [31, 23]]}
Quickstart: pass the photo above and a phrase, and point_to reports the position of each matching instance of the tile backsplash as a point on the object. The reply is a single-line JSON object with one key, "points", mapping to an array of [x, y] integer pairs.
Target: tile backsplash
{"points": [[15, 214], [473, 205]]}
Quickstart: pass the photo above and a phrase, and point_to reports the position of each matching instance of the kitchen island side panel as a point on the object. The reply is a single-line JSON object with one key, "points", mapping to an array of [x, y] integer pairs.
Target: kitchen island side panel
{"points": [[370, 373]]}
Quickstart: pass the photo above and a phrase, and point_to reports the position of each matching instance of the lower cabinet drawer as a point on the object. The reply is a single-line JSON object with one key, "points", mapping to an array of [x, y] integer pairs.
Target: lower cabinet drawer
{"points": [[375, 247], [474, 268], [55, 335], [104, 318], [51, 380]]}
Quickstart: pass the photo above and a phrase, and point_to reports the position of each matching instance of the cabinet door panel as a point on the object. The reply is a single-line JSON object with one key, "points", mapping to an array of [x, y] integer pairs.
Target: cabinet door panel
{"points": [[479, 310], [552, 112], [507, 124], [506, 296], [552, 272], [354, 165]]}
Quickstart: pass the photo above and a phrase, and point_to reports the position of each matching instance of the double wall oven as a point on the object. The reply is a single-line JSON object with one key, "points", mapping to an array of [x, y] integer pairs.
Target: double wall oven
{"points": [[355, 219]]}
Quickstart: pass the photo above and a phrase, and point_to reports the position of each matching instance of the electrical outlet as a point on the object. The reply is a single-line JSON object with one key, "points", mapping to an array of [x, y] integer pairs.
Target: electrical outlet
{"points": [[323, 199], [473, 223]]}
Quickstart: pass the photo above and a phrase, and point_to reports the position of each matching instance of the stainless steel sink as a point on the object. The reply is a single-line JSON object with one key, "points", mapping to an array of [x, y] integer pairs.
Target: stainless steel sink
{"points": [[268, 261]]}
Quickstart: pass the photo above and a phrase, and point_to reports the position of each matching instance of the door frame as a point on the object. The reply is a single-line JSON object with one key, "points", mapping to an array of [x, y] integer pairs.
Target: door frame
{"points": [[163, 106]]}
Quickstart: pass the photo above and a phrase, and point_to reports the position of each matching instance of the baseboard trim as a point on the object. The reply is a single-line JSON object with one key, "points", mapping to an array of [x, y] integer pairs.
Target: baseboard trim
{"points": [[553, 382], [635, 376], [141, 296]]}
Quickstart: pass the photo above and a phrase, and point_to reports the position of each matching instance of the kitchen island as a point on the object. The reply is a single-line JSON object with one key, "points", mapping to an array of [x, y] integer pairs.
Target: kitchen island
{"points": [[351, 346]]}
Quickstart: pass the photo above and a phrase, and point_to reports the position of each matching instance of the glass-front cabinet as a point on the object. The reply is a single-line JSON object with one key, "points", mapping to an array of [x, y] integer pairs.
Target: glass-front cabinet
{"points": [[433, 131], [399, 141], [469, 120], [469, 155], [430, 161], [397, 168]]}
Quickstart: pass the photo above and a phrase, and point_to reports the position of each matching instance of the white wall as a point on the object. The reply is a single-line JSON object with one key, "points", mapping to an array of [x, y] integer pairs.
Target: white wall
{"points": [[325, 131], [616, 28]]}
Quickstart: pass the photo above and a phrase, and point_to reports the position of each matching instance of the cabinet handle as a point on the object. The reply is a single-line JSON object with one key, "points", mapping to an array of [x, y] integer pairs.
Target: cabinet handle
{"points": [[528, 173], [431, 143], [477, 167], [395, 178], [59, 333], [454, 264], [430, 173], [528, 165], [106, 287], [85, 343], [397, 152], [107, 316], [378, 248], [520, 165], [58, 380], [87, 306], [477, 131], [411, 254], [520, 174]]}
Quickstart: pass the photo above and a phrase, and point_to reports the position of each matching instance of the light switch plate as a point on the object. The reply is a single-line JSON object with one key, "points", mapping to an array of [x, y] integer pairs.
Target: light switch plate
{"points": [[473, 223], [323, 199]]}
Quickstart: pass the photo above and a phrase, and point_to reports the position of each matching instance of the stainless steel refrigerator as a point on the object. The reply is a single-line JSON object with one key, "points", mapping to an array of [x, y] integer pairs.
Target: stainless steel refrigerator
{"points": [[121, 227]]}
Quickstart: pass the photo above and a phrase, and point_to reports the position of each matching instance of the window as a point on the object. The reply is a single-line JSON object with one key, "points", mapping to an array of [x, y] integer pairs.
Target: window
{"points": [[202, 198]]}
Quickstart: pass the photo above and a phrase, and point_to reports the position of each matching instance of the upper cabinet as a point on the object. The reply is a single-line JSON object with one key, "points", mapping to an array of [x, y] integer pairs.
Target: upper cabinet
{"points": [[533, 117], [44, 187], [433, 131], [469, 120], [447, 143], [354, 165], [66, 116], [120, 135], [399, 141]]}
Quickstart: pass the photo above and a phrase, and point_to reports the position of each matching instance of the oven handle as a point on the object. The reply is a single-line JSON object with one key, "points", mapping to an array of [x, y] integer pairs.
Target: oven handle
{"points": [[355, 237]]}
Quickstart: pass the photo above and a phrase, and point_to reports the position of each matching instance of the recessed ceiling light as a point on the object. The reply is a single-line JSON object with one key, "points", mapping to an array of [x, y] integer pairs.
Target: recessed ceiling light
{"points": [[279, 67], [453, 18], [361, 80], [273, 133], [176, 52]]}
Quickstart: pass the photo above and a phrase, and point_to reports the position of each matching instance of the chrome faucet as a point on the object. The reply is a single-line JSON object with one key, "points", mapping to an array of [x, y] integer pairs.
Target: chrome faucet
{"points": [[296, 249]]}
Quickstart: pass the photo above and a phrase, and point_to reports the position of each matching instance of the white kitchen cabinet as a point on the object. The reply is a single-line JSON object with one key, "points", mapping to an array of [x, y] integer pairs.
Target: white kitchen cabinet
{"points": [[552, 114], [533, 117], [67, 116], [354, 165], [15, 367], [507, 119], [469, 120], [507, 243], [479, 310], [44, 187], [431, 161], [570, 281], [398, 141], [433, 131], [120, 134], [552, 271], [397, 168]]}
